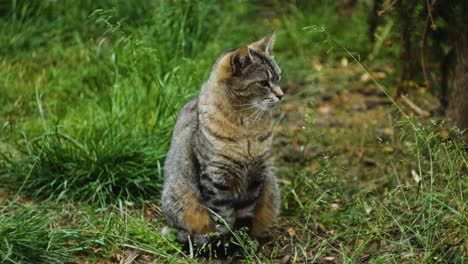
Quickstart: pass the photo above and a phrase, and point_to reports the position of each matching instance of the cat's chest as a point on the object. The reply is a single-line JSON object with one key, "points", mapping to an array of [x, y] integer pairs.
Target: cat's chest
{"points": [[257, 146], [242, 143], [230, 135]]}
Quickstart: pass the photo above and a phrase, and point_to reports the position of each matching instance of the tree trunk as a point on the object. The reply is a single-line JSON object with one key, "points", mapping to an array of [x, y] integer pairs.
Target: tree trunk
{"points": [[347, 7], [457, 79], [373, 19], [407, 69], [457, 86]]}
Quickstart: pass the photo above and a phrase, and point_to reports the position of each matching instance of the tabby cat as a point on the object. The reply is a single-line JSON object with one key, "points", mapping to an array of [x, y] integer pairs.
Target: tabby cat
{"points": [[218, 163]]}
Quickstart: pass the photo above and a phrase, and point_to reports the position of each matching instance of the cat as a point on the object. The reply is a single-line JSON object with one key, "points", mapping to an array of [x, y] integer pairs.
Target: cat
{"points": [[217, 173]]}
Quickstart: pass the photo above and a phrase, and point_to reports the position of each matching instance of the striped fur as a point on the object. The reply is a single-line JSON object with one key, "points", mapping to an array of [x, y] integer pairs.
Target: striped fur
{"points": [[218, 163]]}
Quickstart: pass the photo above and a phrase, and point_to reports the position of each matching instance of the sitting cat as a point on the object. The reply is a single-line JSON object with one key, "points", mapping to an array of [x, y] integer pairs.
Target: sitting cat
{"points": [[218, 163]]}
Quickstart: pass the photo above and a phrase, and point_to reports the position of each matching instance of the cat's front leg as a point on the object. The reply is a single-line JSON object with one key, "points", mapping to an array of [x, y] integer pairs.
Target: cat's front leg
{"points": [[218, 195], [267, 207]]}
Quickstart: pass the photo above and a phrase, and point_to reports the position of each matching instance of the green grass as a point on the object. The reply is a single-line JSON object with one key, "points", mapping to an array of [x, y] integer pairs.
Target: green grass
{"points": [[26, 237], [55, 233], [412, 221], [89, 95]]}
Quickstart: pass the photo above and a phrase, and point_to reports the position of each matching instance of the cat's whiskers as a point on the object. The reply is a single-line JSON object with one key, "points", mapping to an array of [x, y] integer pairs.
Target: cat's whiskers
{"points": [[248, 106], [259, 115], [270, 104], [250, 116], [253, 115], [267, 105], [262, 108]]}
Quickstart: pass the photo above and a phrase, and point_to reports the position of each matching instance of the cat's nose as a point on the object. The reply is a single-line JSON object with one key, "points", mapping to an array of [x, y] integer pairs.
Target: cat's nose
{"points": [[278, 92]]}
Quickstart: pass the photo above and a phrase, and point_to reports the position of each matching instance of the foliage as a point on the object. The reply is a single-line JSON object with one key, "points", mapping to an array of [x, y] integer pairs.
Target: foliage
{"points": [[27, 237]]}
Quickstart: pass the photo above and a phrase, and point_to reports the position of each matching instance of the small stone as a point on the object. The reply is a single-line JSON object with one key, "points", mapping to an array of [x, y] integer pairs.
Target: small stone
{"points": [[384, 134], [286, 259]]}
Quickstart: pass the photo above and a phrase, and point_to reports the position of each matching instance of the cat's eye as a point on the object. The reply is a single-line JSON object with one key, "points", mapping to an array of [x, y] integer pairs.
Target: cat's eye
{"points": [[265, 83]]}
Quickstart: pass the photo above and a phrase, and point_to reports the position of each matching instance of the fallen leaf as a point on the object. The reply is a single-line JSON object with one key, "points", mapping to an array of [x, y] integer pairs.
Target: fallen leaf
{"points": [[415, 175], [444, 134], [321, 227], [379, 75], [375, 75], [318, 66], [286, 259], [344, 62], [313, 167], [334, 207], [284, 181], [291, 232], [388, 149], [131, 257], [384, 134], [407, 255], [325, 109], [365, 77]]}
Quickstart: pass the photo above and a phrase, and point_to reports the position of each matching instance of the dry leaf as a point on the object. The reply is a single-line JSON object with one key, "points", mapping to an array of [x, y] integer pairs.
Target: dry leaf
{"points": [[334, 207], [321, 227], [365, 77], [379, 75], [318, 66], [415, 175], [291, 232], [286, 259], [325, 109], [284, 181], [376, 75], [313, 167], [388, 149], [444, 133], [344, 61]]}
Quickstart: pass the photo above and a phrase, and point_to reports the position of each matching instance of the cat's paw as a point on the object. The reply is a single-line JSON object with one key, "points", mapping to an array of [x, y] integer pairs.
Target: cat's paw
{"points": [[166, 231], [222, 229]]}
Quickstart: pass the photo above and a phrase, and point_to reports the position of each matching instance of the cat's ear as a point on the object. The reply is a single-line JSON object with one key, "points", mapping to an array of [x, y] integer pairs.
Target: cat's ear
{"points": [[265, 45], [240, 58]]}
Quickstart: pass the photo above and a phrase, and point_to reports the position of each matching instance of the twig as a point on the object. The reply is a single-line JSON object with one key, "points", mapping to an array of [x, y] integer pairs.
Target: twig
{"points": [[429, 11], [421, 46], [414, 107], [138, 249], [130, 258], [381, 12]]}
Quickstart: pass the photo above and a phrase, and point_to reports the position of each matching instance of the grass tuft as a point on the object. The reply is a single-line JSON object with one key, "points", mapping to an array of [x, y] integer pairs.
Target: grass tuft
{"points": [[28, 236], [57, 166]]}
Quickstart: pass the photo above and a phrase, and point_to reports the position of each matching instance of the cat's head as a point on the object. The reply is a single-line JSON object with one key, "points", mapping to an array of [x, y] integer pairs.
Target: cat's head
{"points": [[251, 75]]}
